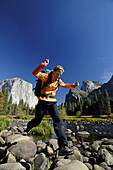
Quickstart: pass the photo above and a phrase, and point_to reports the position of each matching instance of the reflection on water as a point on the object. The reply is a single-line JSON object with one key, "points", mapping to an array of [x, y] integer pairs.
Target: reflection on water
{"points": [[97, 130]]}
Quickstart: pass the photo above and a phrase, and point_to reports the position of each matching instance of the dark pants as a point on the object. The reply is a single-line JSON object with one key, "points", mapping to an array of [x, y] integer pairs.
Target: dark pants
{"points": [[52, 108]]}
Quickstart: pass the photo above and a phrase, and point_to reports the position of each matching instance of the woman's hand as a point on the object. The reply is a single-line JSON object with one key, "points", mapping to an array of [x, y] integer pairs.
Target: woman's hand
{"points": [[77, 84], [46, 61]]}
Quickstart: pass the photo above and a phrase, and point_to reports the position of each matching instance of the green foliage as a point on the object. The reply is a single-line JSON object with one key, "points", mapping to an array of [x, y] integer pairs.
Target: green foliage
{"points": [[1, 101], [42, 131], [21, 115], [107, 106], [62, 111], [3, 123], [78, 113], [100, 103]]}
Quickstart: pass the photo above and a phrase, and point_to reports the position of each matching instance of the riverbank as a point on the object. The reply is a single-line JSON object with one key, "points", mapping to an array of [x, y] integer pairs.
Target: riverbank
{"points": [[17, 150], [68, 118]]}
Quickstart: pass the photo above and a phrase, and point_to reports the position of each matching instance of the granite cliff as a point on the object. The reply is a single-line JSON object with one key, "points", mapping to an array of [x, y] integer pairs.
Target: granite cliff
{"points": [[75, 94], [89, 86], [89, 89], [108, 86], [19, 89]]}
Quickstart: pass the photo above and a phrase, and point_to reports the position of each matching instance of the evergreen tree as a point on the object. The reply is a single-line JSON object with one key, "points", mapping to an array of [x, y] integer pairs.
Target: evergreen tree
{"points": [[1, 102], [94, 106], [87, 105], [100, 103], [111, 104], [20, 106], [66, 106], [107, 106], [69, 108], [5, 92]]}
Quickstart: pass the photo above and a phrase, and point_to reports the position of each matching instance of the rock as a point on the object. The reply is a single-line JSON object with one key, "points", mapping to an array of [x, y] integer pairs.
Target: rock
{"points": [[106, 156], [19, 90], [12, 166], [2, 142], [104, 165], [2, 132], [108, 86], [11, 158], [40, 162], [83, 133], [73, 165], [24, 149], [89, 86], [75, 95], [85, 159], [90, 167], [15, 138], [97, 167], [60, 162], [49, 151], [77, 155], [53, 143], [41, 146], [68, 131], [95, 146]]}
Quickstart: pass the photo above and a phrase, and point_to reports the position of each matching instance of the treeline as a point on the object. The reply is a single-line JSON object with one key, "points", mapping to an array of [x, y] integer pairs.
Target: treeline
{"points": [[100, 105], [7, 108]]}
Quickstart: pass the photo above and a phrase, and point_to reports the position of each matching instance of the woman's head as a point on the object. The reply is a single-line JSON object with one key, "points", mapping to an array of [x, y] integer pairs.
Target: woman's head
{"points": [[58, 67], [57, 71]]}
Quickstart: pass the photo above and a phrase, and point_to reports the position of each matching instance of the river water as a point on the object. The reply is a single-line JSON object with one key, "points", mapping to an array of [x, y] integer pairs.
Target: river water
{"points": [[97, 129]]}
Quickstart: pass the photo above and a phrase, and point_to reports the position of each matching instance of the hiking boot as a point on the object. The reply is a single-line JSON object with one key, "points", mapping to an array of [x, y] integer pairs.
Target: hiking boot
{"points": [[27, 131], [65, 151]]}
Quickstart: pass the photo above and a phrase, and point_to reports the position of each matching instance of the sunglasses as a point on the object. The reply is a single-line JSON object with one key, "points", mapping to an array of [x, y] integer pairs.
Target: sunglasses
{"points": [[59, 74]]}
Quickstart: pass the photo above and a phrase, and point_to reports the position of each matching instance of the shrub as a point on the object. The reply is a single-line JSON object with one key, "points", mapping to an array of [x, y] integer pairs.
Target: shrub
{"points": [[78, 113], [3, 123], [21, 115], [42, 131]]}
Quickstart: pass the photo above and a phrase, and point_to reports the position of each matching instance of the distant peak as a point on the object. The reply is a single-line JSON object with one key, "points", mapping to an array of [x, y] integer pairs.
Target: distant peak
{"points": [[111, 80]]}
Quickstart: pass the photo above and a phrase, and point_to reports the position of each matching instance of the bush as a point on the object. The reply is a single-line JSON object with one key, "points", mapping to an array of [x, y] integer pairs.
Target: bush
{"points": [[21, 115], [42, 131], [78, 113], [3, 123]]}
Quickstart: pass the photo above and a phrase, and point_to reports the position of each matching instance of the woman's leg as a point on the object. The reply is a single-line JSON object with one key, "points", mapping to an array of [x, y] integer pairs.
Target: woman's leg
{"points": [[58, 126], [41, 109]]}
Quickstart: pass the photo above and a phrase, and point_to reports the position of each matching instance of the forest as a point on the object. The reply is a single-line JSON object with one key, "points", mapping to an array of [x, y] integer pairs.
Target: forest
{"points": [[100, 105]]}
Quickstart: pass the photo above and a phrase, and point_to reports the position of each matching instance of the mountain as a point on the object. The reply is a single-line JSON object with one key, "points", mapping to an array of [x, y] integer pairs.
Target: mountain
{"points": [[19, 89], [89, 86], [75, 94], [108, 86]]}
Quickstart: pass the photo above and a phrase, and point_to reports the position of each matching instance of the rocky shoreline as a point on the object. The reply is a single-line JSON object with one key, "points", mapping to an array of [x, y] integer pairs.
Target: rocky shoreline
{"points": [[19, 152]]}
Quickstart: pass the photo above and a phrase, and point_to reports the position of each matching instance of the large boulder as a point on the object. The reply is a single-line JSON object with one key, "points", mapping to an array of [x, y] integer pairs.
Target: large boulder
{"points": [[73, 165], [12, 166], [24, 149]]}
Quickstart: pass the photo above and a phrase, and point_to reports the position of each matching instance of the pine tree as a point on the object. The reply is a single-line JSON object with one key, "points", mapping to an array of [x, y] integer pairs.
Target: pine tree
{"points": [[111, 103], [69, 108], [100, 103], [94, 106], [107, 106], [1, 101], [5, 92]]}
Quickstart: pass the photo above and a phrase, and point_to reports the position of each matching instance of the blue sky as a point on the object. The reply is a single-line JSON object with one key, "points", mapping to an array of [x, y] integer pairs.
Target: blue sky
{"points": [[77, 34]]}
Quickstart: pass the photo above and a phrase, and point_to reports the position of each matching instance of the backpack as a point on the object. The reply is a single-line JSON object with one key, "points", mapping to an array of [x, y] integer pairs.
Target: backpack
{"points": [[39, 86]]}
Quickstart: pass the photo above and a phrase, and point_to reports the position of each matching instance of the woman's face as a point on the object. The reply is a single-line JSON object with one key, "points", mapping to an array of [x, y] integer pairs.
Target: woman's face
{"points": [[57, 74]]}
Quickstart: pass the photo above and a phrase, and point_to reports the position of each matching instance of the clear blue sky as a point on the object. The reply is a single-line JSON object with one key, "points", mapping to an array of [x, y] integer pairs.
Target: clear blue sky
{"points": [[77, 34]]}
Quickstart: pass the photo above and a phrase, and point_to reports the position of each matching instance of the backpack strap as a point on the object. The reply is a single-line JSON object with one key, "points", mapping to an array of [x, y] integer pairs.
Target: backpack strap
{"points": [[49, 80]]}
